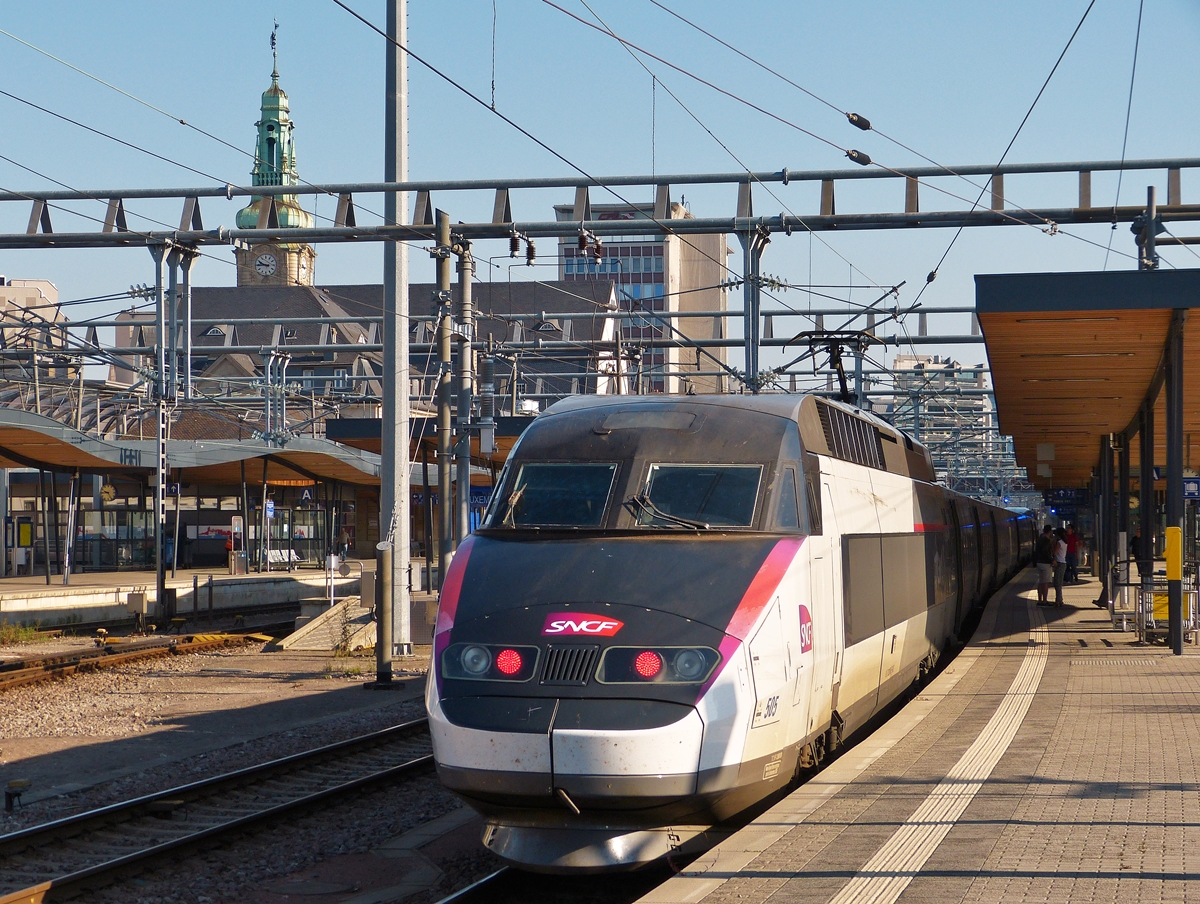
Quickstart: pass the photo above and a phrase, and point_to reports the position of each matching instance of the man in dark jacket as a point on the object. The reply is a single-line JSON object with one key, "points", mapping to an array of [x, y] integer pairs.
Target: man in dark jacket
{"points": [[1043, 561]]}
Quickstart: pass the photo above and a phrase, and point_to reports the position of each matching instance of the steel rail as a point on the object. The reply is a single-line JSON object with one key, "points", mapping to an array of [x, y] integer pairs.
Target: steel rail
{"points": [[784, 176], [25, 672], [80, 880]]}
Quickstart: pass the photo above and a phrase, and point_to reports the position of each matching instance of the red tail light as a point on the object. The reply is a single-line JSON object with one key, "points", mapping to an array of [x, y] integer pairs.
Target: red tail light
{"points": [[508, 662], [648, 664]]}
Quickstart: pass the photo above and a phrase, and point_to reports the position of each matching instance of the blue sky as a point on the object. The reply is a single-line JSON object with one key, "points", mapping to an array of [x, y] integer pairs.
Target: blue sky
{"points": [[950, 79]]}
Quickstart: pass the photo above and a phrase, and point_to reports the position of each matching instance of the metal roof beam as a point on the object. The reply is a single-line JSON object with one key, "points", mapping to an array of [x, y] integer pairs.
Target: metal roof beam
{"points": [[784, 176]]}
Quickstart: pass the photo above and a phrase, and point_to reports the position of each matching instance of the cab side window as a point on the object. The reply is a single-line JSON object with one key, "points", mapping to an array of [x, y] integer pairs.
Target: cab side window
{"points": [[812, 491], [787, 515]]}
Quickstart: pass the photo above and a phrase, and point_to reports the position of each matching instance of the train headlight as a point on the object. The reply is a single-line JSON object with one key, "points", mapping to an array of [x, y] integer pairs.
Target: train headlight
{"points": [[689, 664], [489, 662], [475, 660], [666, 665]]}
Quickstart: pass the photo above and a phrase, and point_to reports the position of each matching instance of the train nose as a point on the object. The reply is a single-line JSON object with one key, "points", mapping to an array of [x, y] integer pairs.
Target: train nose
{"points": [[600, 754], [618, 754]]}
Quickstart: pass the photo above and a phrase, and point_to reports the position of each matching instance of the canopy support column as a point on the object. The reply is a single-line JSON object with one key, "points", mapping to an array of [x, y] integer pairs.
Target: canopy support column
{"points": [[1104, 530], [1123, 551], [1146, 501], [1175, 481]]}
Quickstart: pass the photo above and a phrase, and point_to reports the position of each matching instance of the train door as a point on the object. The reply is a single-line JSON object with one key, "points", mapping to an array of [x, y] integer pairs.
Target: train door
{"points": [[987, 552], [770, 670], [825, 575], [797, 622]]}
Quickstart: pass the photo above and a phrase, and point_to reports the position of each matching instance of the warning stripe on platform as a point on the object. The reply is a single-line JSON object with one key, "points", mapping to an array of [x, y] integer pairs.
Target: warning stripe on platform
{"points": [[887, 874]]}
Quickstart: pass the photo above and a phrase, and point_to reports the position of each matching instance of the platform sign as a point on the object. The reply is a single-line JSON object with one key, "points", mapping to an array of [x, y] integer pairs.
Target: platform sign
{"points": [[1066, 496], [270, 508], [172, 489], [306, 495], [1191, 488]]}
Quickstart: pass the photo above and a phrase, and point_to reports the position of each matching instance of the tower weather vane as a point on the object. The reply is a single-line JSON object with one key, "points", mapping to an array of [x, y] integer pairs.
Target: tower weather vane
{"points": [[274, 50]]}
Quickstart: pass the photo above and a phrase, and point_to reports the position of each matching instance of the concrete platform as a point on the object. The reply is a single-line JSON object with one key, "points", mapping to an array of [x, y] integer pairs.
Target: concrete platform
{"points": [[104, 595], [1054, 760]]}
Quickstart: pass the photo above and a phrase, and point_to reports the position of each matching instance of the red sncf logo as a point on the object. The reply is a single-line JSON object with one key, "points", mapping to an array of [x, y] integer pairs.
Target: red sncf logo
{"points": [[565, 623], [806, 629]]}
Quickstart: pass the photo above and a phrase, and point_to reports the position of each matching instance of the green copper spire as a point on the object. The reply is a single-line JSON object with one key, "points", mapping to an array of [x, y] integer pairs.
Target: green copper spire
{"points": [[275, 156]]}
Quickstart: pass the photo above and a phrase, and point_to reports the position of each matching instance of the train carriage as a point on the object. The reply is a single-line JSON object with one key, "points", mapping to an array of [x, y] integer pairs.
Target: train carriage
{"points": [[676, 604]]}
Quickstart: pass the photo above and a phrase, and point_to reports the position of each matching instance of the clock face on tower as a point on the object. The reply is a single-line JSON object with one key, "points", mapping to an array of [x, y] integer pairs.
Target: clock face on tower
{"points": [[266, 264]]}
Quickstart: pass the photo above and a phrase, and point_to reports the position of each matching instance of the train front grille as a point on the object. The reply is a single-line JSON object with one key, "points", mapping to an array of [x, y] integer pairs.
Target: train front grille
{"points": [[570, 665]]}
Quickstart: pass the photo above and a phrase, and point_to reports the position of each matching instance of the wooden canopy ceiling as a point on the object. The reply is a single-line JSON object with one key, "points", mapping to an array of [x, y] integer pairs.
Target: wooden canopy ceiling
{"points": [[1074, 355]]}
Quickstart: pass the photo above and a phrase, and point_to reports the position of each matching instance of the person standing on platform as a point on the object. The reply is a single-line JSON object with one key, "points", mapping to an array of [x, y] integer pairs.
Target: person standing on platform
{"points": [[1060, 564], [1072, 575], [1043, 560]]}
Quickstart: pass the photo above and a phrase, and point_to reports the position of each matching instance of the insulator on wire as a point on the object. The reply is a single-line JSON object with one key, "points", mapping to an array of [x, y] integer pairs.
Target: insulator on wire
{"points": [[859, 157], [860, 122], [514, 245], [598, 249], [583, 241], [530, 253], [931, 277]]}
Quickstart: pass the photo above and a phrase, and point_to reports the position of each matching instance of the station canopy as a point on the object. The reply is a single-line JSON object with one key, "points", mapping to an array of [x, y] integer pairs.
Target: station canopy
{"points": [[1074, 355], [29, 440]]}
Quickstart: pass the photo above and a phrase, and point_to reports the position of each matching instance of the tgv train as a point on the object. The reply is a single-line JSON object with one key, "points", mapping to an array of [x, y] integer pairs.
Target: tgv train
{"points": [[676, 604]]}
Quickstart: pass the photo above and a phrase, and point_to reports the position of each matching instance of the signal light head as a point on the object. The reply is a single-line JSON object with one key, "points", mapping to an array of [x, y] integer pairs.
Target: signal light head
{"points": [[508, 662], [648, 664]]}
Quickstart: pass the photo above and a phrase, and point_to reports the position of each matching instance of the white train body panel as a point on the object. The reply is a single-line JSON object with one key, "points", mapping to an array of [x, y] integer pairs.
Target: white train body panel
{"points": [[809, 631]]}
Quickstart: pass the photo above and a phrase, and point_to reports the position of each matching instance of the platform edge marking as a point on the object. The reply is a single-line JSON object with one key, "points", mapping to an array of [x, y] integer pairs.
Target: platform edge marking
{"points": [[888, 873]]}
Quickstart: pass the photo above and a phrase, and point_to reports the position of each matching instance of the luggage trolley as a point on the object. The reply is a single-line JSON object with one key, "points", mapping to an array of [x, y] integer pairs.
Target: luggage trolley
{"points": [[1152, 608]]}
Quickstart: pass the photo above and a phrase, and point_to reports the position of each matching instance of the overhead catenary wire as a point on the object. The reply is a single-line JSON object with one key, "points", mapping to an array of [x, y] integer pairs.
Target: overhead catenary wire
{"points": [[631, 51], [933, 273], [166, 113], [856, 156], [1050, 228], [1137, 40], [511, 122]]}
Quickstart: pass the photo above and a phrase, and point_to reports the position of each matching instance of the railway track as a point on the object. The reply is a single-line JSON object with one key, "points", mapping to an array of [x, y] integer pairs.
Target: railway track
{"points": [[67, 857], [20, 672]]}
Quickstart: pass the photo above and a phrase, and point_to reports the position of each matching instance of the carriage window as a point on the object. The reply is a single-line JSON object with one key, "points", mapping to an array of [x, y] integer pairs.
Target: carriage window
{"points": [[718, 495], [549, 494]]}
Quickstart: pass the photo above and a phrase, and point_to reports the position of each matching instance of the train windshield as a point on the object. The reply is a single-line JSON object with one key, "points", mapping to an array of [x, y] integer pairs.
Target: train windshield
{"points": [[550, 494], [709, 495]]}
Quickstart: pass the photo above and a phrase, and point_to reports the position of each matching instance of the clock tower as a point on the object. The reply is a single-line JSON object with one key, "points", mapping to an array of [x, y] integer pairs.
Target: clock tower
{"points": [[275, 263]]}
